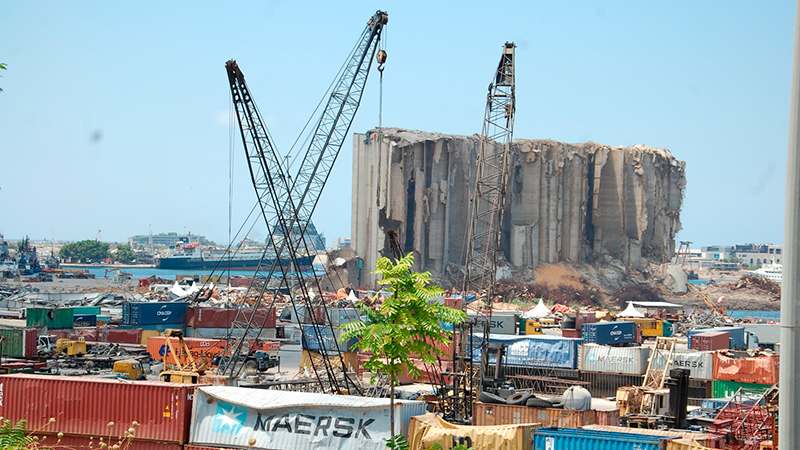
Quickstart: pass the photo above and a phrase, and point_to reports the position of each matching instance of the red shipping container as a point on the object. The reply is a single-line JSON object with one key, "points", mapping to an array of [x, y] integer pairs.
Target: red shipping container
{"points": [[73, 442], [200, 317], [117, 336], [570, 333], [761, 369], [269, 318], [84, 406], [582, 318], [711, 340], [31, 339], [454, 302]]}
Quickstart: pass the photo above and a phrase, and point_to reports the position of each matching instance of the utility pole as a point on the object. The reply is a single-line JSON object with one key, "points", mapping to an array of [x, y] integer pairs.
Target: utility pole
{"points": [[790, 309]]}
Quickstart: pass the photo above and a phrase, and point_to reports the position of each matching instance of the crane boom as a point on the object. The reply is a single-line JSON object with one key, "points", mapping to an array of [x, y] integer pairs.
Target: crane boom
{"points": [[286, 205], [488, 200]]}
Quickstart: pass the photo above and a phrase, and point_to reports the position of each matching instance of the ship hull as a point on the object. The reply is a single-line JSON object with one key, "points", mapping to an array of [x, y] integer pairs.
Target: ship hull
{"points": [[241, 264]]}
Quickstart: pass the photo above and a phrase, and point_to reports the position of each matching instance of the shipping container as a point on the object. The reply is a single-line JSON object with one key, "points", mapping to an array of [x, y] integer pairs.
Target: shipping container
{"points": [[52, 318], [303, 315], [608, 417], [678, 434], [267, 317], [584, 317], [726, 389], [761, 369], [283, 420], [606, 384], [685, 444], [711, 341], [85, 406], [426, 431], [84, 320], [579, 439], [341, 316], [700, 364], [737, 336], [88, 310], [501, 323], [604, 358], [488, 414], [328, 342], [18, 342], [117, 336], [75, 442], [200, 349], [610, 333], [208, 317], [533, 350], [650, 327], [154, 313], [571, 333], [767, 333]]}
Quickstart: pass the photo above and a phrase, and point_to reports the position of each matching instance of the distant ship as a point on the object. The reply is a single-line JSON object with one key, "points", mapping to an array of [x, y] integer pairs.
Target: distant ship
{"points": [[187, 256], [773, 272]]}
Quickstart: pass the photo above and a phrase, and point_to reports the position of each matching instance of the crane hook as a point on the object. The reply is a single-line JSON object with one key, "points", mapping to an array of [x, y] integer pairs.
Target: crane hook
{"points": [[381, 58]]}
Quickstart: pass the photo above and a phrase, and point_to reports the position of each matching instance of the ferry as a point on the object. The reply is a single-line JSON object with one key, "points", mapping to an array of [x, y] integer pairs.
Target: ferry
{"points": [[773, 272], [192, 255]]}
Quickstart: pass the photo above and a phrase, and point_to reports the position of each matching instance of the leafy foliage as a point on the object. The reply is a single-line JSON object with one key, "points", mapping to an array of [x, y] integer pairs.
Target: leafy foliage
{"points": [[124, 254], [15, 436], [407, 325], [2, 66], [89, 249], [397, 442]]}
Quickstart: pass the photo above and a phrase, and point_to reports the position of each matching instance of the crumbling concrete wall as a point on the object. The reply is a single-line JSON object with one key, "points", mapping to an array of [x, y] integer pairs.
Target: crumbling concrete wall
{"points": [[566, 202]]}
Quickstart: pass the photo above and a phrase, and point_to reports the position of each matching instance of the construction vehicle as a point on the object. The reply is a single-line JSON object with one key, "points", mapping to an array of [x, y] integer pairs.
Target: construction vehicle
{"points": [[71, 348], [129, 368], [287, 203], [178, 372]]}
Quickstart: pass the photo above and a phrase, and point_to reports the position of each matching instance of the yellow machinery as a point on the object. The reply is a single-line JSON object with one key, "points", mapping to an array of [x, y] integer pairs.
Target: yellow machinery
{"points": [[532, 326], [130, 368], [650, 327], [70, 347], [188, 373]]}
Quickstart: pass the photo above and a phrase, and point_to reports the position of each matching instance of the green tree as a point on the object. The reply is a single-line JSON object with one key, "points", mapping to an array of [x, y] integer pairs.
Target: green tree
{"points": [[2, 66], [407, 325], [124, 254], [82, 250]]}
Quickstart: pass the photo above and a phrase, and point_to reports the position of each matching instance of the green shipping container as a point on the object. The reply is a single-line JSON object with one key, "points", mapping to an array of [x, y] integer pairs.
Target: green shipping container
{"points": [[18, 342], [725, 389], [52, 318], [86, 310]]}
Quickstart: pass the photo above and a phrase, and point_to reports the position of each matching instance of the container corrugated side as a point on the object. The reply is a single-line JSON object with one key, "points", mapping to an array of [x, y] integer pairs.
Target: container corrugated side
{"points": [[603, 358], [711, 340], [209, 317], [579, 439], [685, 444], [84, 406], [534, 350], [736, 336], [700, 364], [427, 430], [761, 369], [52, 318], [606, 384], [13, 343], [487, 414], [647, 431], [74, 442], [228, 416], [154, 313], [609, 333], [725, 389]]}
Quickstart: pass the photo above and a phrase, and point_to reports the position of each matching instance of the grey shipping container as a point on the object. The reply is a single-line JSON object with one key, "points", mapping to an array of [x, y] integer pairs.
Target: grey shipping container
{"points": [[499, 324]]}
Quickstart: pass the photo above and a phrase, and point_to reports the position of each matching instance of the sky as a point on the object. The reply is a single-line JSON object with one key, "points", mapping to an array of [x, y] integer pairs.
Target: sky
{"points": [[116, 116]]}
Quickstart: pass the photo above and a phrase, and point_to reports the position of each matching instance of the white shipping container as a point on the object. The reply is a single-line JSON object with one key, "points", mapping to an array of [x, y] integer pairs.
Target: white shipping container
{"points": [[767, 333], [501, 323], [700, 364], [230, 417], [607, 359]]}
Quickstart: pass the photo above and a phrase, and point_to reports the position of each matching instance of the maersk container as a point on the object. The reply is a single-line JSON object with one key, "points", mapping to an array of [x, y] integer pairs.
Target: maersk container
{"points": [[604, 358], [700, 364], [282, 420], [499, 324], [155, 313], [534, 350], [610, 333], [737, 336], [85, 406], [18, 342], [580, 439], [52, 318]]}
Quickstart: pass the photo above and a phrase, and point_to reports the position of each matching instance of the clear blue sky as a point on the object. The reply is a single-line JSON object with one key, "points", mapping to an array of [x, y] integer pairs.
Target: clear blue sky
{"points": [[115, 115]]}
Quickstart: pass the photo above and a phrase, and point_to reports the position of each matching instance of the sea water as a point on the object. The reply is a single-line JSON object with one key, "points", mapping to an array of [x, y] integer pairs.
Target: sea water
{"points": [[168, 274]]}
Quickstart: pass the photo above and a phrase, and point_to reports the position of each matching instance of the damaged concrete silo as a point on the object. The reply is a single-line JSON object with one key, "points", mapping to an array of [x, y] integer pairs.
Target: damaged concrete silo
{"points": [[566, 202]]}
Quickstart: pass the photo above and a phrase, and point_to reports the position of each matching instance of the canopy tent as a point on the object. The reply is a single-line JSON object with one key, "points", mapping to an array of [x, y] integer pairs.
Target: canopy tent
{"points": [[539, 311], [630, 311]]}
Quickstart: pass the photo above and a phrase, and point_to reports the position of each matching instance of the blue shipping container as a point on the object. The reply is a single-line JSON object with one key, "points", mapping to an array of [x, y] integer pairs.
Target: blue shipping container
{"points": [[156, 313], [609, 333], [579, 439], [84, 320], [738, 341], [533, 350], [328, 341]]}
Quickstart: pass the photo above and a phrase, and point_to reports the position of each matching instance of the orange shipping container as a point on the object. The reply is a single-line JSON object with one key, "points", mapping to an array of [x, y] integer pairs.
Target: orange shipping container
{"points": [[761, 369], [485, 414]]}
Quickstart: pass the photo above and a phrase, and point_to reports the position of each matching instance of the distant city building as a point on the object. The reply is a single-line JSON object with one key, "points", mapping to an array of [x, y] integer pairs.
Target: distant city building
{"points": [[168, 239], [340, 242], [314, 240], [758, 254], [716, 252]]}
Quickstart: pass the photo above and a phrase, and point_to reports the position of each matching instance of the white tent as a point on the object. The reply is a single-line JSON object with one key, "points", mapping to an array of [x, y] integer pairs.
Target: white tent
{"points": [[539, 311], [630, 311]]}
